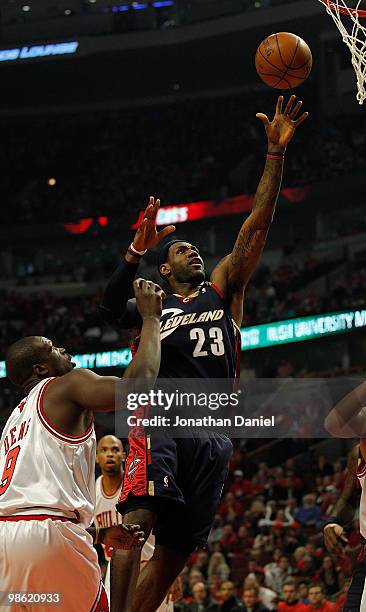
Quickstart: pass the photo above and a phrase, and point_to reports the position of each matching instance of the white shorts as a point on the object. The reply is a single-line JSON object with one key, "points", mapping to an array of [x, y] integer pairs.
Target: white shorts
{"points": [[50, 557]]}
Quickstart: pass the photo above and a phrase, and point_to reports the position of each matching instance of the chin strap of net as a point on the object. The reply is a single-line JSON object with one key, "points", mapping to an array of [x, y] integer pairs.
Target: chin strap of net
{"points": [[354, 37]]}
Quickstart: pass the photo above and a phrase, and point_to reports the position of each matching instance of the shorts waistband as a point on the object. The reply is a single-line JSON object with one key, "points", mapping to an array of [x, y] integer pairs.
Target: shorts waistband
{"points": [[38, 517]]}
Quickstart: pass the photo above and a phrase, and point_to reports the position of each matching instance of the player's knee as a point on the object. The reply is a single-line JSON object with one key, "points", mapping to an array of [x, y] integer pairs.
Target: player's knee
{"points": [[173, 561]]}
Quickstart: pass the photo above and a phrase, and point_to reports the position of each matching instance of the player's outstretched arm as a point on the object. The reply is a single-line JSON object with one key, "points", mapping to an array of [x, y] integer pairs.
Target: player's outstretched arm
{"points": [[84, 390], [116, 308], [345, 507], [234, 271]]}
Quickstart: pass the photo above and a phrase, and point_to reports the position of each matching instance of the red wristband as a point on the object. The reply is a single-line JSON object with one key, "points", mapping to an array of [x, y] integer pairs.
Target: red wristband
{"points": [[276, 155]]}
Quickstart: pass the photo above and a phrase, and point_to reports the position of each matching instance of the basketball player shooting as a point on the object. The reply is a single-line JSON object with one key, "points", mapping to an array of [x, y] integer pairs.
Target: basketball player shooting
{"points": [[47, 468], [175, 485]]}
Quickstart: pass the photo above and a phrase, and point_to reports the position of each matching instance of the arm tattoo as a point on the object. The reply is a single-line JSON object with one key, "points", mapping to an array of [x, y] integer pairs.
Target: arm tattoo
{"points": [[252, 236], [269, 186]]}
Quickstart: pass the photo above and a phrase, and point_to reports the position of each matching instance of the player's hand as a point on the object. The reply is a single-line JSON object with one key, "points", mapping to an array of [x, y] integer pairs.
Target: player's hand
{"points": [[149, 298], [147, 237], [283, 125], [127, 537], [333, 538]]}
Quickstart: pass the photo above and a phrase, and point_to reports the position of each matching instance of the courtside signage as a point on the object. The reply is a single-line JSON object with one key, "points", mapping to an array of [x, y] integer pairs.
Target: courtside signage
{"points": [[303, 328], [256, 337]]}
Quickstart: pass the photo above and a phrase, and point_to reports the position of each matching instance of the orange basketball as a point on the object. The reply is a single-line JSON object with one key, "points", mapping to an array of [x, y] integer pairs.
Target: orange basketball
{"points": [[283, 60]]}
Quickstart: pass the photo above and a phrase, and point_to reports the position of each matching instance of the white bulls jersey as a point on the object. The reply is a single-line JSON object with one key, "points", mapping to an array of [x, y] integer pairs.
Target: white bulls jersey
{"points": [[361, 475], [42, 470], [106, 514]]}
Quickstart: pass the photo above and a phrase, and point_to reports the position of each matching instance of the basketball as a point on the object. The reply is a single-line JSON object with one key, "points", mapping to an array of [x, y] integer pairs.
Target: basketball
{"points": [[283, 60]]}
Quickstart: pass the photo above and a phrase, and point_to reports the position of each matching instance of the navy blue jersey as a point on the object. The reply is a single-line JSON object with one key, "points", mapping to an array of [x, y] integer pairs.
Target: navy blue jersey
{"points": [[198, 336]]}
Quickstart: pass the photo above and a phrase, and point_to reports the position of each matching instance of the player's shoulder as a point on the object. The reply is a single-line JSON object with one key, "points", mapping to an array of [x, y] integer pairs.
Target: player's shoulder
{"points": [[213, 288], [79, 378], [76, 376]]}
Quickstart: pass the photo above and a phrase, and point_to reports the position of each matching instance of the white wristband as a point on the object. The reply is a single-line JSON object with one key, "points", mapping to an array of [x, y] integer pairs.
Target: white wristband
{"points": [[136, 252]]}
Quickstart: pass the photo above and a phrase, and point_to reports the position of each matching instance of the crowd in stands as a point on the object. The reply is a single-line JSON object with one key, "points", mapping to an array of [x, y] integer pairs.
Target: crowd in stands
{"points": [[266, 549], [116, 158], [272, 295]]}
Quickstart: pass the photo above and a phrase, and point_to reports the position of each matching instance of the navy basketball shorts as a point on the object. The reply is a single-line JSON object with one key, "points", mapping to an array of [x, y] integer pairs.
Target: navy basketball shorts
{"points": [[356, 596], [181, 481]]}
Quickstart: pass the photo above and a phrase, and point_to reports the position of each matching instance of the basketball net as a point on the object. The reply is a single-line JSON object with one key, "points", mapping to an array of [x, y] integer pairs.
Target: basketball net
{"points": [[354, 38]]}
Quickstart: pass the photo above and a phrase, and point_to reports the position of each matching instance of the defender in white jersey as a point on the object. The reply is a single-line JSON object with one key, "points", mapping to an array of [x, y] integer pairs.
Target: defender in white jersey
{"points": [[47, 477], [343, 513], [110, 458]]}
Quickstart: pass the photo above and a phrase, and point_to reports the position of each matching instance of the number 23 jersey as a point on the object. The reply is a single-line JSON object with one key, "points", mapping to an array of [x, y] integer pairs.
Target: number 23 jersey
{"points": [[198, 336]]}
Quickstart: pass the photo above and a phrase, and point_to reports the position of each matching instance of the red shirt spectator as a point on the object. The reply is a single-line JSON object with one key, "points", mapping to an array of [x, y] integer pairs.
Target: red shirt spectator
{"points": [[229, 538], [317, 600], [324, 607], [230, 507], [292, 607], [290, 602]]}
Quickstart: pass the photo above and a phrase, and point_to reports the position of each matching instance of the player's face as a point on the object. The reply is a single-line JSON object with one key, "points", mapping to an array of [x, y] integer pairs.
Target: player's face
{"points": [[110, 455], [57, 359], [186, 264], [315, 595]]}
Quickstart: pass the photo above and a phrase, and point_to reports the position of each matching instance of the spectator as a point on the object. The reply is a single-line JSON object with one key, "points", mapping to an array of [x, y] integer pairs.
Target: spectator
{"points": [[317, 599], [229, 537], [218, 566], [240, 485], [217, 531], [290, 601], [267, 596], [278, 573], [328, 575], [194, 577], [251, 601], [227, 595], [200, 600], [308, 514], [323, 467], [201, 562], [303, 592]]}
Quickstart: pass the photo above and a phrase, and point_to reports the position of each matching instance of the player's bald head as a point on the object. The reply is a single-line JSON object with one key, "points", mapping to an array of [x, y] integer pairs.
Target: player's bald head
{"points": [[109, 440], [23, 355], [35, 358]]}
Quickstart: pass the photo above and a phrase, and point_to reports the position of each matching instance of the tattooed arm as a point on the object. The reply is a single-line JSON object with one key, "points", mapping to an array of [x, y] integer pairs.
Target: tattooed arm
{"points": [[233, 272]]}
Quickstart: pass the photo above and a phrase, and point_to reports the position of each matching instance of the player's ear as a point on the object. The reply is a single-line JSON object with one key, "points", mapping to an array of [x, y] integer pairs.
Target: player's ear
{"points": [[41, 370], [97, 458], [165, 270]]}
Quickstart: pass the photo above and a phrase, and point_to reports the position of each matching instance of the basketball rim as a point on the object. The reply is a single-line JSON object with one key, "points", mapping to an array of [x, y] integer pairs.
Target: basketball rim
{"points": [[343, 10]]}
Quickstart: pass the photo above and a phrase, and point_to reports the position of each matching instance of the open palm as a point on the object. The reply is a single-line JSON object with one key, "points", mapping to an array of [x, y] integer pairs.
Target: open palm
{"points": [[147, 236], [283, 125]]}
